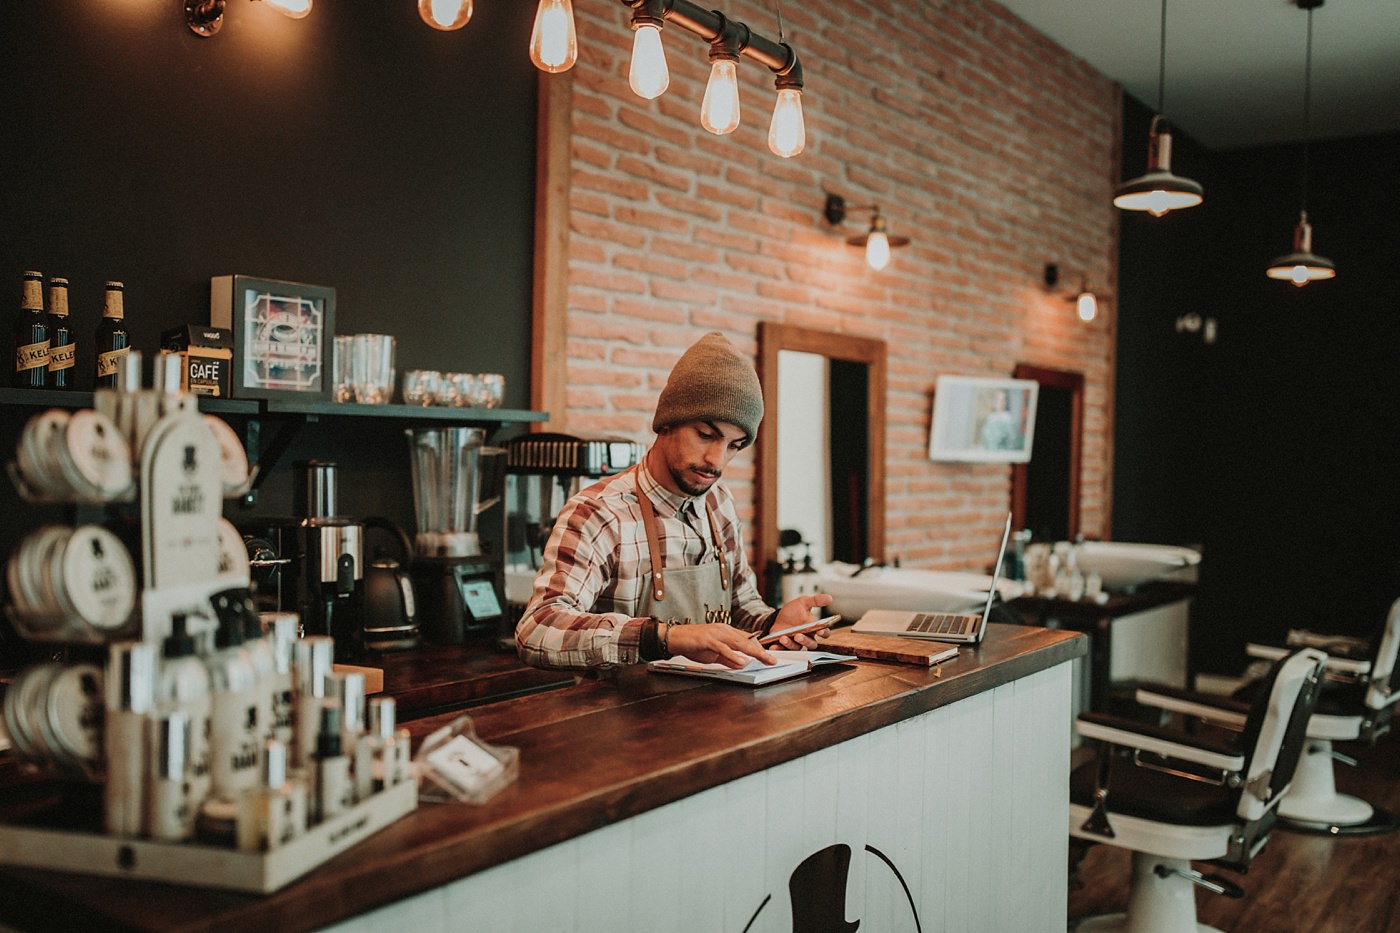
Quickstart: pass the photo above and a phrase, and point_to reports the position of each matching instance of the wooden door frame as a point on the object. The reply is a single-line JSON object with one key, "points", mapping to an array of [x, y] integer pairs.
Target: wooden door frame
{"points": [[1055, 379]]}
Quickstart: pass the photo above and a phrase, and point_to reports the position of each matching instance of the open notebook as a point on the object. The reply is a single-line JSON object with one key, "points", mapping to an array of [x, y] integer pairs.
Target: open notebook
{"points": [[755, 673], [956, 627]]}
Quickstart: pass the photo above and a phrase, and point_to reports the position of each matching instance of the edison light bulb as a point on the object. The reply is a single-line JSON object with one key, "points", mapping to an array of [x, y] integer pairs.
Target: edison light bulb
{"points": [[445, 14], [719, 111], [295, 9], [1087, 305], [877, 250], [787, 133], [648, 74], [554, 43]]}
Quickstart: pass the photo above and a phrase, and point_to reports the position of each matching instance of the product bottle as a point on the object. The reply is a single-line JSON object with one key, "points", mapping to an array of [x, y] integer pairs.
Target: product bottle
{"points": [[331, 791], [170, 811], [273, 813], [312, 660], [112, 339], [388, 747], [130, 688], [62, 342], [31, 335], [235, 735], [183, 687]]}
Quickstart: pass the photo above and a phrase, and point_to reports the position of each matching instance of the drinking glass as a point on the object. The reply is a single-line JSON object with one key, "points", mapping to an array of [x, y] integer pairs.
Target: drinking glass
{"points": [[464, 387], [372, 368], [343, 387], [492, 391], [421, 386]]}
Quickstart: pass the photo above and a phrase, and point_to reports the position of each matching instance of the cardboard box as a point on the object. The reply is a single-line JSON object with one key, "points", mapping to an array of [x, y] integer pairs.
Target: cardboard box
{"points": [[208, 358]]}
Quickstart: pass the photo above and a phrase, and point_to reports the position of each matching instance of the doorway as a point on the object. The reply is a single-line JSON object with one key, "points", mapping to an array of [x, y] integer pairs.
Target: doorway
{"points": [[1045, 491]]}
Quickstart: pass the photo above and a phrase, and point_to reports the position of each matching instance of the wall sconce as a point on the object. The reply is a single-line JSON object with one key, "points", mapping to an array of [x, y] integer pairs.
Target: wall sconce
{"points": [[206, 17], [876, 242], [1085, 298], [730, 41], [1193, 323]]}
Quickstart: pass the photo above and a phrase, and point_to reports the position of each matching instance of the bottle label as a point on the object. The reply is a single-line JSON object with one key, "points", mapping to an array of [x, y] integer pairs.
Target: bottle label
{"points": [[62, 357], [109, 360], [32, 356]]}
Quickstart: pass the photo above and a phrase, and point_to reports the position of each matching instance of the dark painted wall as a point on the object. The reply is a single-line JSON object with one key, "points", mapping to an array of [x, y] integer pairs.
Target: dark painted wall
{"points": [[356, 148], [1271, 448]]}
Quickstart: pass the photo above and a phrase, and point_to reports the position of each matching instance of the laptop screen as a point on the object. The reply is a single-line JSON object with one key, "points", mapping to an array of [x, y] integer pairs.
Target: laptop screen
{"points": [[996, 569]]}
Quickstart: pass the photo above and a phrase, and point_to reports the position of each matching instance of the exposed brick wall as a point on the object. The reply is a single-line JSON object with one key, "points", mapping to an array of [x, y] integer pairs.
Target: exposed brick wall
{"points": [[990, 147]]}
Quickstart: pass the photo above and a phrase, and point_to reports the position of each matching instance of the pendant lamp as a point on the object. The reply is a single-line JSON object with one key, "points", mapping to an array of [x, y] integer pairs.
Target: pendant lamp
{"points": [[1303, 265], [1158, 191]]}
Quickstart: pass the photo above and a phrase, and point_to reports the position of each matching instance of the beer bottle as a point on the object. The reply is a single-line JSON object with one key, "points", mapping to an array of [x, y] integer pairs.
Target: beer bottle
{"points": [[31, 335], [62, 343], [112, 339]]}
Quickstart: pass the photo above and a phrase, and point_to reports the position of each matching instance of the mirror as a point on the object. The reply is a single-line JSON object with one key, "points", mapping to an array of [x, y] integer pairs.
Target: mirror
{"points": [[821, 452]]}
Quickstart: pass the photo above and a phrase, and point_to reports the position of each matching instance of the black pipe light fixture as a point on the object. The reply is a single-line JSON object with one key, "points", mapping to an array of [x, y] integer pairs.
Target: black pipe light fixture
{"points": [[877, 241], [730, 41], [206, 17], [1303, 265], [1158, 191]]}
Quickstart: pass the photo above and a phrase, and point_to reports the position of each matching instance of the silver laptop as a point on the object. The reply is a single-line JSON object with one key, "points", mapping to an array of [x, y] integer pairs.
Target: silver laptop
{"points": [[957, 627]]}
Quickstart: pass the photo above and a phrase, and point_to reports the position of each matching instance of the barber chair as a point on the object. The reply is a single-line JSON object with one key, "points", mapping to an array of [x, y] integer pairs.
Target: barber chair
{"points": [[1360, 688], [1205, 787]]}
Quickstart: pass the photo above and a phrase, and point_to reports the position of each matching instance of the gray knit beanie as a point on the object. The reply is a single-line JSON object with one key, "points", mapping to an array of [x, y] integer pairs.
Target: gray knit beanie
{"points": [[711, 382]]}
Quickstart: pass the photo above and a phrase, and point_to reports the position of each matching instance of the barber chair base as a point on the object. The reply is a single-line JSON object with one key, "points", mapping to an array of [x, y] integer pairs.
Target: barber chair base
{"points": [[1155, 904], [1312, 804]]}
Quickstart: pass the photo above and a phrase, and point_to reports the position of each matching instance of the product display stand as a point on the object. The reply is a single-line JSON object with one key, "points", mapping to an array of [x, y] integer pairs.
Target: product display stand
{"points": [[186, 557]]}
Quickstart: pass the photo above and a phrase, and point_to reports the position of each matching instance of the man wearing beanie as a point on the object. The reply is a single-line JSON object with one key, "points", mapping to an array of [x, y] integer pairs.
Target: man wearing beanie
{"points": [[650, 563]]}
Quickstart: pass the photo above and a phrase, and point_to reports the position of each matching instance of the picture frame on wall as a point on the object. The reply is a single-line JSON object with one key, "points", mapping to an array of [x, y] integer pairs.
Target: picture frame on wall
{"points": [[283, 335], [987, 420]]}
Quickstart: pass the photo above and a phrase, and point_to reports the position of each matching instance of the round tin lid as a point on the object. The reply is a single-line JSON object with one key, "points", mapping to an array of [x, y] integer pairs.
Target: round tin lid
{"points": [[233, 459], [73, 714], [37, 463], [95, 455], [96, 578]]}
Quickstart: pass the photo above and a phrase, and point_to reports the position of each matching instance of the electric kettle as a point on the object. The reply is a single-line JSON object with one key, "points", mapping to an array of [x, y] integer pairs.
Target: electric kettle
{"points": [[390, 609]]}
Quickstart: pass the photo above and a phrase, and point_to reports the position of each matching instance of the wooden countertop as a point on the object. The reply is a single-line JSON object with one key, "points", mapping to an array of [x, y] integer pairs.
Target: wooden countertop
{"points": [[1084, 611], [591, 755], [433, 679]]}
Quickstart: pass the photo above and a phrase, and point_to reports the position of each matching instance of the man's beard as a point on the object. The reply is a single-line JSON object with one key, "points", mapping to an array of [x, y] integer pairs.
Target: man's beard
{"points": [[690, 489]]}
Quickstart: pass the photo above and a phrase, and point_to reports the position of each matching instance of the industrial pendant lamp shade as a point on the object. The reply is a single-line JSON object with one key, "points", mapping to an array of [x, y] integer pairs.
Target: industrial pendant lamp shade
{"points": [[1158, 191], [1303, 265]]}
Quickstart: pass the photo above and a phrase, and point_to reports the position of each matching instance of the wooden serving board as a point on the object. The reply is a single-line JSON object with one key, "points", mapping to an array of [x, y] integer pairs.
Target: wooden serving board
{"points": [[889, 647]]}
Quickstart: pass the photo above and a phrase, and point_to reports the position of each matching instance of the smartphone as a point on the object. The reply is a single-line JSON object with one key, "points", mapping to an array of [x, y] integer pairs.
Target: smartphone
{"points": [[816, 625]]}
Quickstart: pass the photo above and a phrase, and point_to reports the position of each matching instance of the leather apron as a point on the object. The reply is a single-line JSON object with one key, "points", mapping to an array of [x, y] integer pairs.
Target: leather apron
{"points": [[684, 595]]}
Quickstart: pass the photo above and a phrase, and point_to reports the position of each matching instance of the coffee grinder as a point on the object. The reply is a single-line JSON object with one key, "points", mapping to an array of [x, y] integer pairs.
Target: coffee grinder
{"points": [[327, 561], [457, 582]]}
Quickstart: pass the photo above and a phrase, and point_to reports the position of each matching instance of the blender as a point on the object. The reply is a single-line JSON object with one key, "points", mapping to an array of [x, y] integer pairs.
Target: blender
{"points": [[456, 579]]}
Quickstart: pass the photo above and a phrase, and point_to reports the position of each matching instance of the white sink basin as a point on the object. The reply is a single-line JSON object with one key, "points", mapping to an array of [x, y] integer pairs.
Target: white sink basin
{"points": [[907, 588], [1122, 565]]}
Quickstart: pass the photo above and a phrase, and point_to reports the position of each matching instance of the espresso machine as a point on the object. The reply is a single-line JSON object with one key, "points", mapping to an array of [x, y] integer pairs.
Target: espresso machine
{"points": [[542, 472], [457, 580]]}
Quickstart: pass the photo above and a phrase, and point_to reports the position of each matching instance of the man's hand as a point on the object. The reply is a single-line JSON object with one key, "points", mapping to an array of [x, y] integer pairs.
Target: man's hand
{"points": [[715, 641], [796, 612]]}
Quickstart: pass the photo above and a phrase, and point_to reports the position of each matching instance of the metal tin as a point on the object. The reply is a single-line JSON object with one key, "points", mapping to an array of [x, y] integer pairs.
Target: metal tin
{"points": [[233, 459], [72, 722], [94, 580], [35, 458], [94, 457]]}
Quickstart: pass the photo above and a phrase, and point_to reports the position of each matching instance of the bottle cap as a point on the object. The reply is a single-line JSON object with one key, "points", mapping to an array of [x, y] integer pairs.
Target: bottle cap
{"points": [[179, 643], [382, 717], [312, 658], [348, 689], [170, 743], [274, 764], [131, 677]]}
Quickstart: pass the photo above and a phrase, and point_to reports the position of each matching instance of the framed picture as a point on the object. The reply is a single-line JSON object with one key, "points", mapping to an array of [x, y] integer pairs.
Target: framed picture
{"points": [[987, 420], [283, 334]]}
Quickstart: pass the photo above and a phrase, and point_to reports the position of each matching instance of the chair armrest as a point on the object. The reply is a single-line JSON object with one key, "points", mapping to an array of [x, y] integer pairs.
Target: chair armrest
{"points": [[1226, 711], [1334, 665], [1131, 733]]}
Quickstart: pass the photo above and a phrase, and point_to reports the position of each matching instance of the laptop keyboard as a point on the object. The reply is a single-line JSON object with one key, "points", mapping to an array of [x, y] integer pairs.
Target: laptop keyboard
{"points": [[937, 623]]}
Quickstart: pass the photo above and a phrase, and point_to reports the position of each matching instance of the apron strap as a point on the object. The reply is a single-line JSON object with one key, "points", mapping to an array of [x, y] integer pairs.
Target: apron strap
{"points": [[658, 583]]}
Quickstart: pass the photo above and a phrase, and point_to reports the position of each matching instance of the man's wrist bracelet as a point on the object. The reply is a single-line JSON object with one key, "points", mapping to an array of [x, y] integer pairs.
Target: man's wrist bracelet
{"points": [[663, 633]]}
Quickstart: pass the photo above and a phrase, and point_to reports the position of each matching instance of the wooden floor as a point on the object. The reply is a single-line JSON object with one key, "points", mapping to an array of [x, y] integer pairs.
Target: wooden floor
{"points": [[1299, 883]]}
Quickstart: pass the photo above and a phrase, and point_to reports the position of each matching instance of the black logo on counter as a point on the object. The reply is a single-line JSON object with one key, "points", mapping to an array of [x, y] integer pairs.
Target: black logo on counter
{"points": [[817, 891]]}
